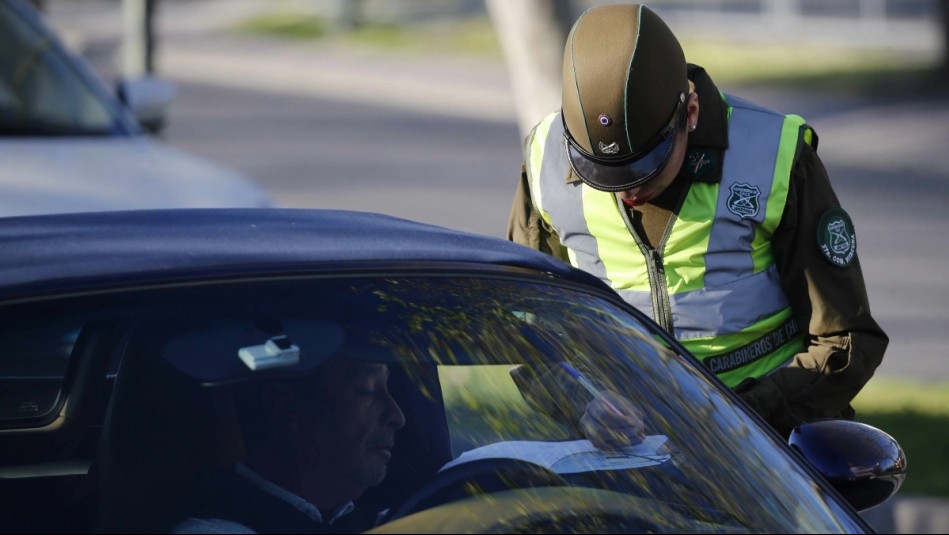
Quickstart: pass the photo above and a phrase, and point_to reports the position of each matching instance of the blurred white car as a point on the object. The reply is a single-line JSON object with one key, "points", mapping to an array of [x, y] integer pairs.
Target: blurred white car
{"points": [[67, 144]]}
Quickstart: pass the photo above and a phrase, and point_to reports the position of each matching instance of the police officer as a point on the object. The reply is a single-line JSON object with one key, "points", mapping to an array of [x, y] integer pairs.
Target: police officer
{"points": [[710, 213]]}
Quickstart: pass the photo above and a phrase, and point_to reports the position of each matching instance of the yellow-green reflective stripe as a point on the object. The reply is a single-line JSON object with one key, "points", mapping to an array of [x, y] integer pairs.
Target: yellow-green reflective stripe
{"points": [[787, 148], [708, 346], [684, 252], [766, 365], [536, 157], [624, 264], [704, 348]]}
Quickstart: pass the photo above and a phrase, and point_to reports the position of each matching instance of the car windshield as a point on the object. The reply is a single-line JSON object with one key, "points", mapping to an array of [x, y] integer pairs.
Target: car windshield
{"points": [[490, 373], [41, 90]]}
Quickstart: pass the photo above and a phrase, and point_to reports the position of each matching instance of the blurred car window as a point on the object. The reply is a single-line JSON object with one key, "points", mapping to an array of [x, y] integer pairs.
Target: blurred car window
{"points": [[40, 91], [70, 145], [35, 358]]}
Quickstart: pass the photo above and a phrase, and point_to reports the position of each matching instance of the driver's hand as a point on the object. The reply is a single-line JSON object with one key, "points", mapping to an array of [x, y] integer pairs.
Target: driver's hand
{"points": [[612, 422]]}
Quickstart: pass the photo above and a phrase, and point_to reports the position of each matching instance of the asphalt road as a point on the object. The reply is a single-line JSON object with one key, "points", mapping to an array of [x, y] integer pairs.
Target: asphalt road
{"points": [[312, 152]]}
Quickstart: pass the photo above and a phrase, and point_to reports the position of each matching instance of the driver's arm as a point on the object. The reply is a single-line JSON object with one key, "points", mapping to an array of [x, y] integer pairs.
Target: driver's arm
{"points": [[607, 420], [612, 422]]}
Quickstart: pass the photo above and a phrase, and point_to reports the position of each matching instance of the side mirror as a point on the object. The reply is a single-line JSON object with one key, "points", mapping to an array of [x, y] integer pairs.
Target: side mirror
{"points": [[866, 465], [148, 98]]}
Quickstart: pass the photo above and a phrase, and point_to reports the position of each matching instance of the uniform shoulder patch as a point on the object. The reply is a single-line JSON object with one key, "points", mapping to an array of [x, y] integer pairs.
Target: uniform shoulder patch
{"points": [[743, 200], [836, 238]]}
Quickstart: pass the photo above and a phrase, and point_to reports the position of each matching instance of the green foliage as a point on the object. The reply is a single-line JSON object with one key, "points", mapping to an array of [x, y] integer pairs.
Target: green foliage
{"points": [[740, 62], [811, 67], [285, 24], [383, 36], [917, 416], [469, 36], [925, 440], [894, 396]]}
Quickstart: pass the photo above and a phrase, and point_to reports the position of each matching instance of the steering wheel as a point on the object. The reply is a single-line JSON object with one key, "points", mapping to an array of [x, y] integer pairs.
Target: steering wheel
{"points": [[483, 476]]}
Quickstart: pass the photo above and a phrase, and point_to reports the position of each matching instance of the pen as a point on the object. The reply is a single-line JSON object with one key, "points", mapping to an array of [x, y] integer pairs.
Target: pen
{"points": [[584, 382], [589, 386]]}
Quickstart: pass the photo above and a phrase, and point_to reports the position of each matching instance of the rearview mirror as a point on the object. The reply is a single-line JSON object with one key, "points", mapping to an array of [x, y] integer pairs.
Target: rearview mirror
{"points": [[148, 98], [866, 465]]}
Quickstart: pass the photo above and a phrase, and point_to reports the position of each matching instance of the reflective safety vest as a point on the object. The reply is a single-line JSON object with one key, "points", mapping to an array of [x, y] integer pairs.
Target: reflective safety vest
{"points": [[711, 281]]}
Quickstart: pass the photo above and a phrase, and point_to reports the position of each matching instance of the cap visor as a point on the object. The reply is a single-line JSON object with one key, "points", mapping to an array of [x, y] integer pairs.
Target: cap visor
{"points": [[622, 176]]}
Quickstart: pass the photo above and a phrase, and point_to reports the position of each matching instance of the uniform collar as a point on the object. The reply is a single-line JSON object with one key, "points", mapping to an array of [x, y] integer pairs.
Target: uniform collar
{"points": [[707, 144]]}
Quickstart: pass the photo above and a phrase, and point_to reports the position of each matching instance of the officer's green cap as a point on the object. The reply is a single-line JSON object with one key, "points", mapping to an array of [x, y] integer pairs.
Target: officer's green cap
{"points": [[624, 87]]}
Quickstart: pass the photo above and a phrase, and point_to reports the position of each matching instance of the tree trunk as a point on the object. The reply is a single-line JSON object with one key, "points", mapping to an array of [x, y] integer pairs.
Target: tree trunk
{"points": [[532, 34]]}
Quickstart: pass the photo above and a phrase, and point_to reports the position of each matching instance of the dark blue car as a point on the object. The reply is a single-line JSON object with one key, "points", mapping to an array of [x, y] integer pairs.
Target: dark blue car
{"points": [[130, 341]]}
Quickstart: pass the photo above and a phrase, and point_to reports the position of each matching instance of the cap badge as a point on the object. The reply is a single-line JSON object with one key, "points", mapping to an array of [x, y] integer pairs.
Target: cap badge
{"points": [[605, 120], [836, 238], [612, 148], [743, 200]]}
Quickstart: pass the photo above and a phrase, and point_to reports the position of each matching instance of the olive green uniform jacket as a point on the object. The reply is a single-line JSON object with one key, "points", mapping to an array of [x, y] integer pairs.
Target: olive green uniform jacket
{"points": [[844, 344]]}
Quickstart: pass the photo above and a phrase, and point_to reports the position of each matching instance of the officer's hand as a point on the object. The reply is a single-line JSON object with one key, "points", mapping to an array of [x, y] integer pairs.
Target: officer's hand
{"points": [[612, 422]]}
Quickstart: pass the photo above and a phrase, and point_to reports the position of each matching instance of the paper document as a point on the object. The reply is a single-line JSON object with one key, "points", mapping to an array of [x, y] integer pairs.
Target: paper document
{"points": [[572, 456]]}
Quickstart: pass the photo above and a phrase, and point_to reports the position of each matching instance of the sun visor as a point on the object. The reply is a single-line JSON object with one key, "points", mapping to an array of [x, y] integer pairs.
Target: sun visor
{"points": [[227, 351]]}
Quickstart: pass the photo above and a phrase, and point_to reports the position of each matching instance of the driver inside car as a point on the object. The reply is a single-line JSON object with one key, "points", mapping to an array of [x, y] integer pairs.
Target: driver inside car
{"points": [[314, 445]]}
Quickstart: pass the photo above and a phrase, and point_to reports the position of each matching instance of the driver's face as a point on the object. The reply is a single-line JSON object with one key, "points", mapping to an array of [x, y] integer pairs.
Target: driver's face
{"points": [[353, 440]]}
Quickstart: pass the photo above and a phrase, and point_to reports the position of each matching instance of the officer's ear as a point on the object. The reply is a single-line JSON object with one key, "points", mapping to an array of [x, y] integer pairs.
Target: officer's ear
{"points": [[692, 110]]}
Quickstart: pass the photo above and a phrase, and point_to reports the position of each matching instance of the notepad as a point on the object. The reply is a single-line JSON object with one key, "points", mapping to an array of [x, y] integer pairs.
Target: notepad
{"points": [[572, 456]]}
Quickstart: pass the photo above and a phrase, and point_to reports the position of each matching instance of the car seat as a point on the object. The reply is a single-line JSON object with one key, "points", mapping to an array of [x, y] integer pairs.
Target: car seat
{"points": [[161, 429]]}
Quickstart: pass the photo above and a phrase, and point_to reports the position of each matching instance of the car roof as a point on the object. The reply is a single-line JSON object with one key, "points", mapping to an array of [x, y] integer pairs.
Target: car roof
{"points": [[63, 253]]}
